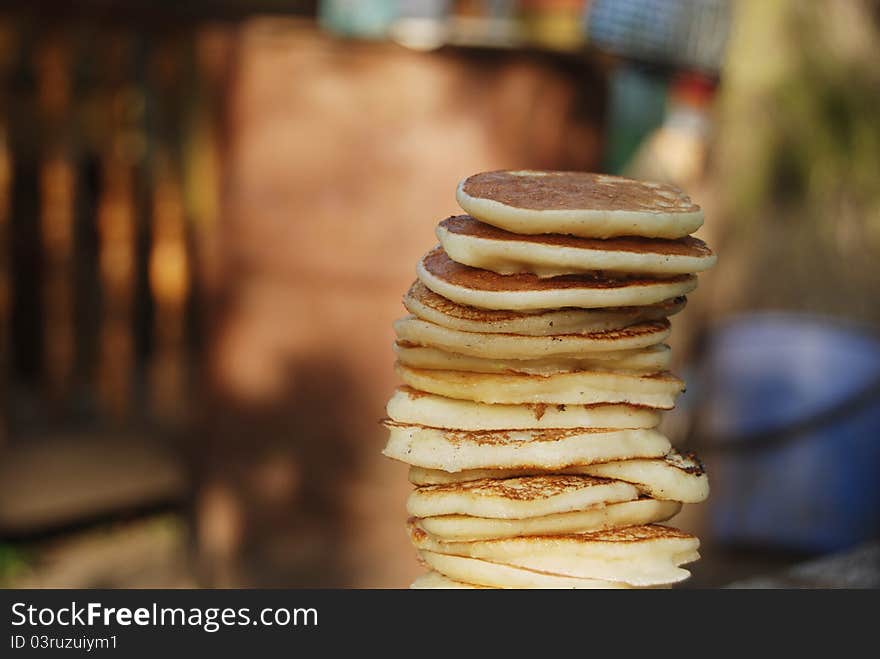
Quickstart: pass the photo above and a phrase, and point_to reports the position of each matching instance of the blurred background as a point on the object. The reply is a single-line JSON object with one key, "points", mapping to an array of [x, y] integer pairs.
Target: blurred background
{"points": [[209, 211]]}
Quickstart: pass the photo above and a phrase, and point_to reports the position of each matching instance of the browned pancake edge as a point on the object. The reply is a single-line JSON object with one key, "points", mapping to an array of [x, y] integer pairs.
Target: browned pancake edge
{"points": [[437, 263], [420, 293], [465, 225]]}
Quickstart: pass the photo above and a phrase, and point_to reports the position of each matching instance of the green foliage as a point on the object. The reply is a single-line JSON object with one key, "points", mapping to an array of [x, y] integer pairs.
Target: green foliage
{"points": [[13, 563], [808, 89]]}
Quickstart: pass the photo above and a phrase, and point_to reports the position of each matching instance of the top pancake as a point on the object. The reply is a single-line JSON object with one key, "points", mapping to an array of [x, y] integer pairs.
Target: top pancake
{"points": [[481, 245], [578, 203]]}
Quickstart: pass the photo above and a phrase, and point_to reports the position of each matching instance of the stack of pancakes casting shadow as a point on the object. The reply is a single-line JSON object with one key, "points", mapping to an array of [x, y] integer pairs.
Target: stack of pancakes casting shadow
{"points": [[535, 373]]}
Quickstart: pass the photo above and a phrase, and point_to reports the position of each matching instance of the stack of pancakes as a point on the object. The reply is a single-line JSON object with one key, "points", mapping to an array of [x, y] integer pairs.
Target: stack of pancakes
{"points": [[535, 373]]}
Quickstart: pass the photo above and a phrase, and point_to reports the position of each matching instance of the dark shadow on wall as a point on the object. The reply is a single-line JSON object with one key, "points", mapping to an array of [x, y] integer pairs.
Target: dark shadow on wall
{"points": [[271, 482]]}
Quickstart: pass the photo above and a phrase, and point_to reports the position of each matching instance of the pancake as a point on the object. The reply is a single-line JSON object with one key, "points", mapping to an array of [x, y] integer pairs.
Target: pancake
{"points": [[648, 555], [479, 245], [465, 528], [652, 359], [658, 391], [522, 292], [424, 303], [492, 575], [518, 498], [455, 450], [435, 581], [578, 203], [408, 406], [412, 331], [674, 477]]}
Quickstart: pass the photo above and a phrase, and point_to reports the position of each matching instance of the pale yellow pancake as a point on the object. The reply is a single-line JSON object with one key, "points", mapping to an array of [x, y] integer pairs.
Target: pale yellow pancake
{"points": [[493, 575], [409, 406], [578, 388], [676, 477], [647, 555], [435, 581], [466, 528], [455, 450], [518, 498], [652, 359], [413, 331]]}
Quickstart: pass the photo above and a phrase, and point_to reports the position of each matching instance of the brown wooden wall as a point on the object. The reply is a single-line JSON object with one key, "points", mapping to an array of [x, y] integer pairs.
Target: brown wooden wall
{"points": [[342, 158]]}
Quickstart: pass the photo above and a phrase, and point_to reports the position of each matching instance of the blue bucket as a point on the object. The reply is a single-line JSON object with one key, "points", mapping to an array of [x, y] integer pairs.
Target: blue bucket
{"points": [[791, 405]]}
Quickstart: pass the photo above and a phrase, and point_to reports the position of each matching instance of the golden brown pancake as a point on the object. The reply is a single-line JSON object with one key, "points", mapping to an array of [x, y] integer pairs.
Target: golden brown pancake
{"points": [[474, 243], [424, 303], [518, 498], [576, 191], [413, 331], [578, 203], [438, 263], [525, 291], [674, 477], [465, 225]]}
